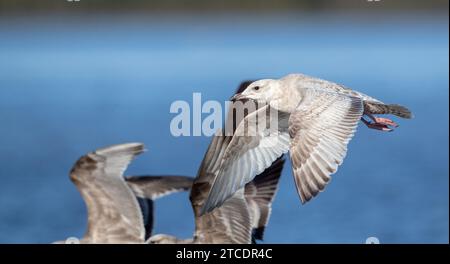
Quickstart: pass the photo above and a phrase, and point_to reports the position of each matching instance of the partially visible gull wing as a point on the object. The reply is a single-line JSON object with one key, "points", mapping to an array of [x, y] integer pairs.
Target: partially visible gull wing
{"points": [[321, 128], [149, 188], [113, 212], [207, 171], [154, 187], [213, 157], [252, 149], [229, 224], [260, 194]]}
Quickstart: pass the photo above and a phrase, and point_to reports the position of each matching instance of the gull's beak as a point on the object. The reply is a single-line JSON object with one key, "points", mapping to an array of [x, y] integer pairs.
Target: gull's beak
{"points": [[238, 97]]}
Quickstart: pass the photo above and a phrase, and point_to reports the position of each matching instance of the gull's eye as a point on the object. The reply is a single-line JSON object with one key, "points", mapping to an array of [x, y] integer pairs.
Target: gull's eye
{"points": [[256, 88]]}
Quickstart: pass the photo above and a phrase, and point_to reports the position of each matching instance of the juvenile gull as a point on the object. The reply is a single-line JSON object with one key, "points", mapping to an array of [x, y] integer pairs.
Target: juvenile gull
{"points": [[316, 120], [114, 215]]}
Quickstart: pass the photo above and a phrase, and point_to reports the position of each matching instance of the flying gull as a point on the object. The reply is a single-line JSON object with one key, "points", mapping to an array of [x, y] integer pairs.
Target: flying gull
{"points": [[113, 202], [316, 120]]}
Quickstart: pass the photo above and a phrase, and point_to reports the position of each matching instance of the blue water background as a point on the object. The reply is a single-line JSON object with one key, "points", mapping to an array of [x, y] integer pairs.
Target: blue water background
{"points": [[70, 84]]}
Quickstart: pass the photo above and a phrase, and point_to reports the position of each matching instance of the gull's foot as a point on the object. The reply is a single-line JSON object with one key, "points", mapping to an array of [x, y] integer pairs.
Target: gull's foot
{"points": [[383, 121], [379, 123]]}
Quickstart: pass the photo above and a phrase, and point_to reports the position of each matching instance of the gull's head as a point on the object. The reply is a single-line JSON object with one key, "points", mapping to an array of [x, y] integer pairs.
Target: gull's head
{"points": [[162, 239], [264, 90]]}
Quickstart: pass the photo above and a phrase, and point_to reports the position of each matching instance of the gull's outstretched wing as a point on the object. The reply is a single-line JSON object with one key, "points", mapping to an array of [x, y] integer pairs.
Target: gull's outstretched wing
{"points": [[154, 187], [321, 128], [229, 224], [256, 144], [149, 188], [113, 212], [232, 222]]}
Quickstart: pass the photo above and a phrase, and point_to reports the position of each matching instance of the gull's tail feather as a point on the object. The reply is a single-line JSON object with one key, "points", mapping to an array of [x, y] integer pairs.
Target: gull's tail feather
{"points": [[399, 111], [393, 109]]}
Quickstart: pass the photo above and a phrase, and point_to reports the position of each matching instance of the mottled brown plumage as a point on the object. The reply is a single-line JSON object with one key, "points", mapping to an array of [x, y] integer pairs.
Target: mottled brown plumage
{"points": [[120, 210], [113, 212]]}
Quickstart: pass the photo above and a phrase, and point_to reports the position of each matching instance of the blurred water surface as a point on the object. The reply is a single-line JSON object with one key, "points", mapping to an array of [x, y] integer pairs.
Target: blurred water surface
{"points": [[71, 84]]}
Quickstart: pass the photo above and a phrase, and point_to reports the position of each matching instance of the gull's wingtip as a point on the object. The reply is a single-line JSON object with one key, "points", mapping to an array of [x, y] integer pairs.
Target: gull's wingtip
{"points": [[133, 147]]}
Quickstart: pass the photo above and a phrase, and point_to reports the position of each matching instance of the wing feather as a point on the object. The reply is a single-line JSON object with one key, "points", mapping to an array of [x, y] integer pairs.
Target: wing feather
{"points": [[243, 160], [113, 211], [260, 193], [321, 128]]}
